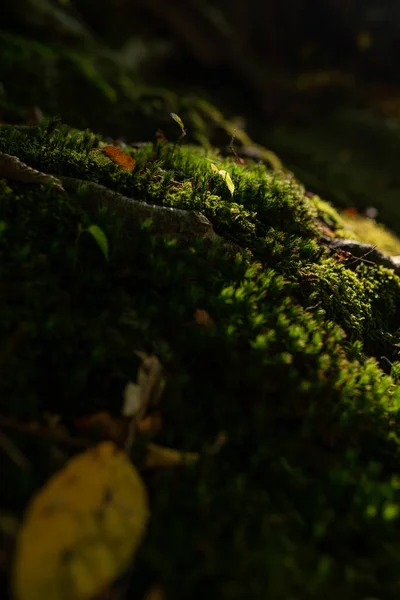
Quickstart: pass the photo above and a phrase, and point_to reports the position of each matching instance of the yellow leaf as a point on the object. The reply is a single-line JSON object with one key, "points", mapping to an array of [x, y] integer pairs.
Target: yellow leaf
{"points": [[158, 456], [82, 529], [226, 177], [228, 181], [179, 121]]}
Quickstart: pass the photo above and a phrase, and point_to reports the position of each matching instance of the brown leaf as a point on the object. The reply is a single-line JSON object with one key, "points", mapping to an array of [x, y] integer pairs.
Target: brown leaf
{"points": [[202, 318], [152, 424], [120, 158]]}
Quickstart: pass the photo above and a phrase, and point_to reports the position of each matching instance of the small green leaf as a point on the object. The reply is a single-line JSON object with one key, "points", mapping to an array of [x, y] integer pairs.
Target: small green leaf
{"points": [[100, 237], [179, 121]]}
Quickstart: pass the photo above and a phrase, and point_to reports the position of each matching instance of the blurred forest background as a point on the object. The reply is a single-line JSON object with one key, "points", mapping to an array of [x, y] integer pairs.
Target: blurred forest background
{"points": [[316, 81]]}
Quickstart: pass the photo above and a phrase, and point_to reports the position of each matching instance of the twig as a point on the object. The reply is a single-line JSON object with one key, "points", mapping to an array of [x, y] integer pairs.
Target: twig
{"points": [[360, 250], [239, 160], [363, 257]]}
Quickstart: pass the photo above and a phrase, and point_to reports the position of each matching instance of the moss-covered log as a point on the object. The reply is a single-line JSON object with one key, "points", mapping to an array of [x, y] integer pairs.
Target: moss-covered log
{"points": [[297, 363]]}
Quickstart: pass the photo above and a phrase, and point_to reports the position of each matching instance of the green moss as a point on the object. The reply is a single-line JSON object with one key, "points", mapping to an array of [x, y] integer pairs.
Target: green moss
{"points": [[364, 302], [369, 231], [356, 227], [332, 219], [302, 500]]}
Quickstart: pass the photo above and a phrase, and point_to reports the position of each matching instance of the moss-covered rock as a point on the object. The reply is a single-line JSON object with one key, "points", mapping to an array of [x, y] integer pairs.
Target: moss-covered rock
{"points": [[303, 499]]}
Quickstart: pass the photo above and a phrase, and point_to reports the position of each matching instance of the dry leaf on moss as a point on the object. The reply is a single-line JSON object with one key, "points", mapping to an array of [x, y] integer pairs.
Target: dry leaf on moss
{"points": [[202, 318], [120, 158]]}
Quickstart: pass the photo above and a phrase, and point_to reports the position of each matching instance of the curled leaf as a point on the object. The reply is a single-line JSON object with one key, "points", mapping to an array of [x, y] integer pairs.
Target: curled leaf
{"points": [[82, 529], [148, 389]]}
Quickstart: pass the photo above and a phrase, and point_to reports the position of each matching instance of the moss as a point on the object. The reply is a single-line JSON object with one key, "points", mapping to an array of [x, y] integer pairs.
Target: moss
{"points": [[369, 231], [355, 226], [330, 217], [364, 302], [302, 500], [89, 85]]}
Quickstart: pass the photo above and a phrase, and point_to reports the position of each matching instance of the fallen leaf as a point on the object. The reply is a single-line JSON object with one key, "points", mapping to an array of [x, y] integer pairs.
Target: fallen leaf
{"points": [[158, 456], [202, 318], [82, 528], [120, 158], [133, 401], [150, 425], [148, 389]]}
